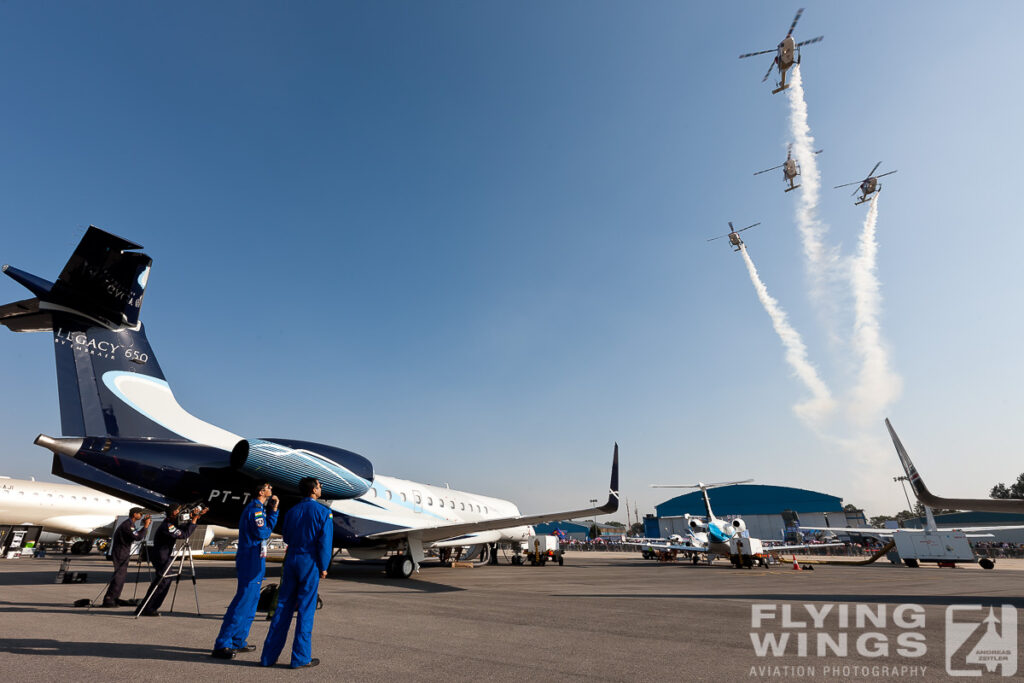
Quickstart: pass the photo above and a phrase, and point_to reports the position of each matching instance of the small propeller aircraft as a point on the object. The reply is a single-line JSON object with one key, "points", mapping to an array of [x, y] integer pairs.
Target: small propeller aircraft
{"points": [[868, 186], [787, 54], [734, 238], [790, 169]]}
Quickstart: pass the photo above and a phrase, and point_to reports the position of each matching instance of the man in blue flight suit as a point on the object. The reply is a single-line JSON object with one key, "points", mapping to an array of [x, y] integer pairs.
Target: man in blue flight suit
{"points": [[309, 533], [254, 527], [167, 534]]}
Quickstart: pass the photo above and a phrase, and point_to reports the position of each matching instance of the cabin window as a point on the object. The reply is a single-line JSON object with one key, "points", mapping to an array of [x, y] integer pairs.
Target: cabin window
{"points": [[451, 504], [485, 509], [463, 505], [430, 501], [403, 496], [387, 494], [440, 501], [418, 499], [373, 492]]}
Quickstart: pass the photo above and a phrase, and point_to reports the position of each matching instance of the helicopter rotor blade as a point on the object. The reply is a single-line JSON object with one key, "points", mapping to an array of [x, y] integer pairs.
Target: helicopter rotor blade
{"points": [[818, 151], [762, 52], [874, 169], [795, 19], [855, 191], [769, 169], [749, 227], [885, 174], [717, 238], [809, 42], [856, 182], [769, 72]]}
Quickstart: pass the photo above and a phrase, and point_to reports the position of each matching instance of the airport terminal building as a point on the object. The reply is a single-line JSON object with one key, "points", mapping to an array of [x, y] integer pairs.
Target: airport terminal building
{"points": [[761, 507]]}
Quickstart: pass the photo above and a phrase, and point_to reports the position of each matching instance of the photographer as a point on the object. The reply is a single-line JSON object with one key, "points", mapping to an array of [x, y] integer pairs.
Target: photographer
{"points": [[177, 525], [121, 552]]}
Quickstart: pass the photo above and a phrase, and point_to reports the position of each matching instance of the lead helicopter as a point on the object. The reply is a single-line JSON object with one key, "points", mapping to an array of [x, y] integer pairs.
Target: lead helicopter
{"points": [[868, 186], [734, 237], [790, 169], [787, 54]]}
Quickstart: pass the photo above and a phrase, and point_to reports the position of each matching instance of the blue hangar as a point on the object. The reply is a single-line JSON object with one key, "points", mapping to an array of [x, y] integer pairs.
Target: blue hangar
{"points": [[761, 508]]}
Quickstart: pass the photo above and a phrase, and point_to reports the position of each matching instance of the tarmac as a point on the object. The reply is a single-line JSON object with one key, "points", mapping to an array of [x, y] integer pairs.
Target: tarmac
{"points": [[604, 616]]}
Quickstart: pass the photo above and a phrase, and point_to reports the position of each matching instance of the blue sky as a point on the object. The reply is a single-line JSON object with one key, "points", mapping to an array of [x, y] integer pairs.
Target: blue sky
{"points": [[468, 240]]}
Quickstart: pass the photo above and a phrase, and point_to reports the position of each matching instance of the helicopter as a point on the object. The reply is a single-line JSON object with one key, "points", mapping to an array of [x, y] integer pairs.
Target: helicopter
{"points": [[785, 53], [790, 169], [868, 186], [734, 237]]}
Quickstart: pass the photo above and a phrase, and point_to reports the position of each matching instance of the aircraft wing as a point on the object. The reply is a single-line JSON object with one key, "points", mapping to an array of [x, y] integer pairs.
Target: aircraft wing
{"points": [[446, 531], [801, 546], [662, 544], [861, 530], [926, 497]]}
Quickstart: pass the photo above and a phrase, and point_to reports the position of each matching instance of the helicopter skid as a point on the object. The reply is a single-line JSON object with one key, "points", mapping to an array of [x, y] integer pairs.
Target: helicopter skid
{"points": [[862, 201], [790, 189], [780, 89]]}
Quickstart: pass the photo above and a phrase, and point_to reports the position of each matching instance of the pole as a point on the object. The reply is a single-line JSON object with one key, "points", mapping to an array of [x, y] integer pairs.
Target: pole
{"points": [[593, 503]]}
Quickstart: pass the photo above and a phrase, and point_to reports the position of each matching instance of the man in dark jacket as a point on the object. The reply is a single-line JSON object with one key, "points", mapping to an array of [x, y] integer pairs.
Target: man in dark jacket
{"points": [[121, 552], [254, 527], [167, 534]]}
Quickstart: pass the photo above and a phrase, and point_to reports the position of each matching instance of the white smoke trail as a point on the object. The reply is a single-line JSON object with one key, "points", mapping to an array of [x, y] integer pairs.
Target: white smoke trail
{"points": [[877, 385], [820, 259], [821, 404]]}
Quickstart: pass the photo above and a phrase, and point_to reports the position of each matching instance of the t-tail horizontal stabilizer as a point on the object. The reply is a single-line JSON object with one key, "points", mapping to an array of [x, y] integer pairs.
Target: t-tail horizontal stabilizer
{"points": [[926, 497], [103, 281]]}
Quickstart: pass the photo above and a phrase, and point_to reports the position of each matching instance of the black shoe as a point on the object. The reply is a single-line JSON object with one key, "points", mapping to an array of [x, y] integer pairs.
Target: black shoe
{"points": [[149, 614], [223, 653], [312, 662], [246, 648], [107, 605]]}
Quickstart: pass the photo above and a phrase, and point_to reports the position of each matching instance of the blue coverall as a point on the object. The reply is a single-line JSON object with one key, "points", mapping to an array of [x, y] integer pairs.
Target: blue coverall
{"points": [[254, 529], [309, 533]]}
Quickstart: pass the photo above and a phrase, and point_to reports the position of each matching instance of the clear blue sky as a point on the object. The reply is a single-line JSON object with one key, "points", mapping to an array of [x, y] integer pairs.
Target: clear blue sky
{"points": [[468, 240]]}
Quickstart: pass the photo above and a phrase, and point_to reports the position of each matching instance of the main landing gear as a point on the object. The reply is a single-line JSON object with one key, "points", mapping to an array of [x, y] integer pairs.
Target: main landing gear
{"points": [[399, 567]]}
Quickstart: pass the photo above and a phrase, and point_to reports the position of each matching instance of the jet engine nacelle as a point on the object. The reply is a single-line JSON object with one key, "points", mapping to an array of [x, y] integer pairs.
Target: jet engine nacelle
{"points": [[695, 523], [173, 471], [739, 526]]}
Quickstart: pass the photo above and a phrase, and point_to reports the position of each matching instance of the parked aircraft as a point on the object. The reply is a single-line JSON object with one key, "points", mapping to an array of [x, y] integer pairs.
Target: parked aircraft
{"points": [[61, 509], [125, 433], [69, 510], [712, 534]]}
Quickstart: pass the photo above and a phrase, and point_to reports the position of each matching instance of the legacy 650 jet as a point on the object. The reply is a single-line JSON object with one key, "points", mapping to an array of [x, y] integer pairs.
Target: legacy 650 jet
{"points": [[124, 432]]}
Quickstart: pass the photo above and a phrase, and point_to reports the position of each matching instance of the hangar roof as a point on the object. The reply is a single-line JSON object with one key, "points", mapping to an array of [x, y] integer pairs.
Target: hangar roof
{"points": [[750, 499]]}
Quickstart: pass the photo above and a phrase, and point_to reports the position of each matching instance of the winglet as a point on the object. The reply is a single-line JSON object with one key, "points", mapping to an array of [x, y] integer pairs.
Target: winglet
{"points": [[613, 488], [920, 490]]}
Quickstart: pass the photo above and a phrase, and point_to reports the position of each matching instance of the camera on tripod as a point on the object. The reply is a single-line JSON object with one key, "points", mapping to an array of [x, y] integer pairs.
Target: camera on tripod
{"points": [[186, 514]]}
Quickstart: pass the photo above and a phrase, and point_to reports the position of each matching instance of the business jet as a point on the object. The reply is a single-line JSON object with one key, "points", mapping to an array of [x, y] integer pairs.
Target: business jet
{"points": [[124, 432], [713, 535], [61, 509]]}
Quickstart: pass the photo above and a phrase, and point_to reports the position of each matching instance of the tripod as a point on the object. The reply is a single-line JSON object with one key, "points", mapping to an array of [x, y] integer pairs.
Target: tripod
{"points": [[181, 551]]}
